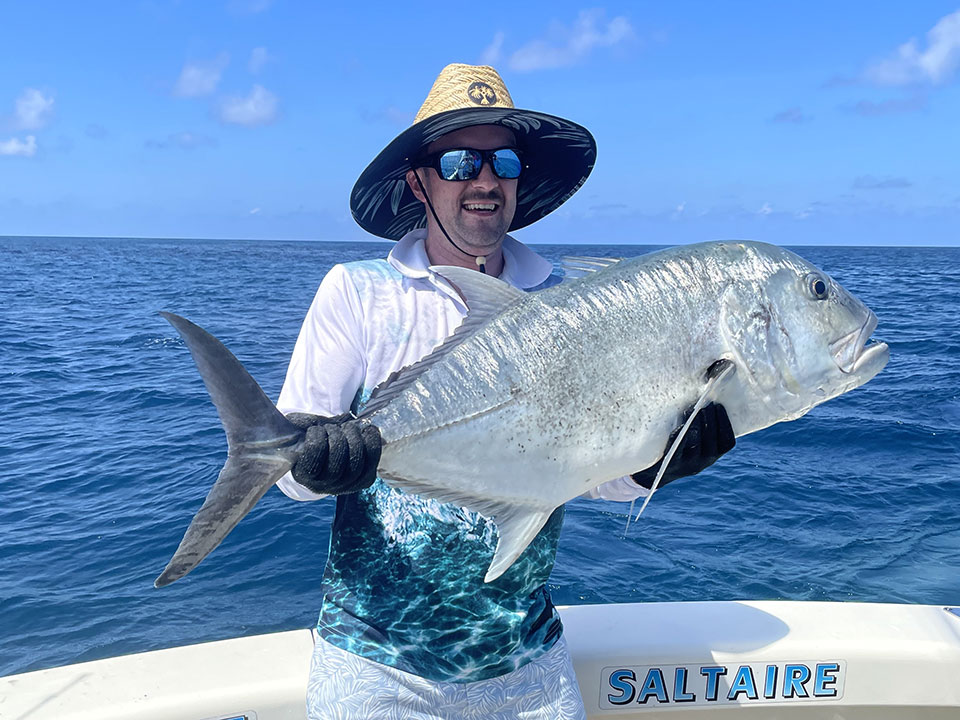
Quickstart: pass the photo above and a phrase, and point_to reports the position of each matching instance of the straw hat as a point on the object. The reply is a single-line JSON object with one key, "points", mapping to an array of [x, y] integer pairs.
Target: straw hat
{"points": [[559, 154]]}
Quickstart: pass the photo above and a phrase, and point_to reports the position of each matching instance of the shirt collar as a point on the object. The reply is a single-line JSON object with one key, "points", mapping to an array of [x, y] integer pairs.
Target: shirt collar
{"points": [[522, 267]]}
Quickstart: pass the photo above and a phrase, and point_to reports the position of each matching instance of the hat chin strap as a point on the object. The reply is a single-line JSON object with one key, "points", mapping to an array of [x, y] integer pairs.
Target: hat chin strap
{"points": [[481, 260]]}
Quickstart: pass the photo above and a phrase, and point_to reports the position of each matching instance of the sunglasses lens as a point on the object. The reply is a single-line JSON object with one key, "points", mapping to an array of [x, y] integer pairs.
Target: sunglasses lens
{"points": [[506, 164], [459, 164], [465, 164]]}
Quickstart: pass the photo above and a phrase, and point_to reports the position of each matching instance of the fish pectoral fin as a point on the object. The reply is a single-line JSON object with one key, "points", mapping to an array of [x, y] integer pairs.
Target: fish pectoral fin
{"points": [[718, 371], [517, 526], [243, 480]]}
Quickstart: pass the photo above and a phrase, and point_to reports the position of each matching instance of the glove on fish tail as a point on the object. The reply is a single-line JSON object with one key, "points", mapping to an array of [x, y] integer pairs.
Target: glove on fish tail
{"points": [[339, 454]]}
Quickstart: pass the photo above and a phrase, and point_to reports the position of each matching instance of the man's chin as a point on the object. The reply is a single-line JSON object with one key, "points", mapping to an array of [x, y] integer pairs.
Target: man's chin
{"points": [[478, 247], [480, 243]]}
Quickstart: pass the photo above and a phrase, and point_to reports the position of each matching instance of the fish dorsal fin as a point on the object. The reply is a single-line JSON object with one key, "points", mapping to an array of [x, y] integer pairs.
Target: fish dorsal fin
{"points": [[716, 373], [517, 525], [575, 266], [485, 297]]}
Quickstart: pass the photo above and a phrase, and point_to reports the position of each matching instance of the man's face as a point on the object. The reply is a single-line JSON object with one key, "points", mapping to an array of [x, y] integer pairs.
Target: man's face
{"points": [[476, 213]]}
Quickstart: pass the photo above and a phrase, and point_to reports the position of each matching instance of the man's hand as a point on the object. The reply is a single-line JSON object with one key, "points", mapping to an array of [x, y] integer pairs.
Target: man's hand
{"points": [[710, 436], [340, 454]]}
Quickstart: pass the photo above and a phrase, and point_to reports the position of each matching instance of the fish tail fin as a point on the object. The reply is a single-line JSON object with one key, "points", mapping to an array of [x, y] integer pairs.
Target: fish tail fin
{"points": [[260, 441]]}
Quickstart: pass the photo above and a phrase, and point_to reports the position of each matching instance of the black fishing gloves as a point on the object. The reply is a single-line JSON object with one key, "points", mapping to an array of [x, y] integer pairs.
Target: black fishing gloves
{"points": [[710, 436], [340, 454]]}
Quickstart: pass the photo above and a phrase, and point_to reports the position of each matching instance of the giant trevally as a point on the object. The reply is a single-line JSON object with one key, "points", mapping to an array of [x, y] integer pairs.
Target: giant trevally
{"points": [[539, 397]]}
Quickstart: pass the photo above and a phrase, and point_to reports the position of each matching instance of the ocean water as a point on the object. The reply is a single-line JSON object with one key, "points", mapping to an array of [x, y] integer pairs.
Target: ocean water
{"points": [[109, 443]]}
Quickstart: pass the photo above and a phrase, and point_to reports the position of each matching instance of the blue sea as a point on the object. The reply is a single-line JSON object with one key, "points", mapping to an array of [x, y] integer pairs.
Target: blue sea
{"points": [[109, 443]]}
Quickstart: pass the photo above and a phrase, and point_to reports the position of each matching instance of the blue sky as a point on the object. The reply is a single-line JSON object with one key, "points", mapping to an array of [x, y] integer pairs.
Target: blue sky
{"points": [[803, 123]]}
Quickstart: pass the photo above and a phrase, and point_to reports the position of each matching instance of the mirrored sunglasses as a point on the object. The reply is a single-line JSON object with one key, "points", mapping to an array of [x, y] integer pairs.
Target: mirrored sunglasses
{"points": [[466, 163]]}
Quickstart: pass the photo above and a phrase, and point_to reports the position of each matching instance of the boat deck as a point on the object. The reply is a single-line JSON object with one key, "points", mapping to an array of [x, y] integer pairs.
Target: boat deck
{"points": [[656, 660]]}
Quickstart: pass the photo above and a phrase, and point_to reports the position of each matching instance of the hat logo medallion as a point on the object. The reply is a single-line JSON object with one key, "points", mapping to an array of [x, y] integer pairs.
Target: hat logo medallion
{"points": [[481, 94]]}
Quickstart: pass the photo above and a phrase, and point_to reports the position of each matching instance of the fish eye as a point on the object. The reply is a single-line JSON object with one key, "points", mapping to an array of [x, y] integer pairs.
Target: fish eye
{"points": [[817, 286]]}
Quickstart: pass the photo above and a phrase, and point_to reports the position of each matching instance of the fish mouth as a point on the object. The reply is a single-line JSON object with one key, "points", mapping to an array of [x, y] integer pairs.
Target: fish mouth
{"points": [[852, 353]]}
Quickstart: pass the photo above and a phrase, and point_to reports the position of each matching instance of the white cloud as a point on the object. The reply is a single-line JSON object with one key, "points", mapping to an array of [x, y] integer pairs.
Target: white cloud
{"points": [[765, 210], [911, 65], [491, 53], [257, 108], [32, 109], [255, 211], [23, 148], [202, 78], [258, 58], [568, 46]]}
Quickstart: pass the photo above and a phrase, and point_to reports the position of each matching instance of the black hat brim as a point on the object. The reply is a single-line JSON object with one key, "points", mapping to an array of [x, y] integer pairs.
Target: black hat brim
{"points": [[559, 154]]}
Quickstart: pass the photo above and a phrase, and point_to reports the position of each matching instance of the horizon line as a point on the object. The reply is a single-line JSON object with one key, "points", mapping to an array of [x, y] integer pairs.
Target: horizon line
{"points": [[374, 240]]}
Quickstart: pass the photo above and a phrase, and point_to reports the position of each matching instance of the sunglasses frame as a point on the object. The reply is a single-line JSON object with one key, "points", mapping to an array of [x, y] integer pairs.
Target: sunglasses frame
{"points": [[486, 157]]}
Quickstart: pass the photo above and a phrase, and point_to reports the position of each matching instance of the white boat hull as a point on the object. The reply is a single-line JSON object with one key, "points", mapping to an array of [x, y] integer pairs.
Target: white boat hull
{"points": [[658, 660]]}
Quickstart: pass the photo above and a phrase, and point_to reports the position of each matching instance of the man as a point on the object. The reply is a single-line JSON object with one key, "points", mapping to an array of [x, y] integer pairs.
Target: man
{"points": [[408, 628]]}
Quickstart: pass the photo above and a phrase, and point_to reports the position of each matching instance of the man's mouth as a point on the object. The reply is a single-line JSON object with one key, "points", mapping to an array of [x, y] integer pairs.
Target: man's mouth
{"points": [[486, 208]]}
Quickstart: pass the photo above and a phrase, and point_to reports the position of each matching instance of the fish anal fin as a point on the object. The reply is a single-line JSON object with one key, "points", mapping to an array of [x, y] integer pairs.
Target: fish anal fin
{"points": [[517, 526]]}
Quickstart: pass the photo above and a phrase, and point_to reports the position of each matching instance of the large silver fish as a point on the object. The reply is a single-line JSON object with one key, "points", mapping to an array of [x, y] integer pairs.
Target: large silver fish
{"points": [[539, 397]]}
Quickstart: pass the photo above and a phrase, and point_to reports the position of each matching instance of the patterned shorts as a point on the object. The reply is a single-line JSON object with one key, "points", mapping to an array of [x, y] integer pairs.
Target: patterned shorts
{"points": [[344, 686]]}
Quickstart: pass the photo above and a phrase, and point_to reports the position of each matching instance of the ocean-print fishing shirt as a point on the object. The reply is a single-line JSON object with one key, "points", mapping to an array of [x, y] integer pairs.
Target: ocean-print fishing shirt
{"points": [[403, 584]]}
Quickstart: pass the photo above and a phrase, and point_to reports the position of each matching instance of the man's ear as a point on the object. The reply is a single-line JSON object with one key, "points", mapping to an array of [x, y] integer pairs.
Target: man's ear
{"points": [[415, 186]]}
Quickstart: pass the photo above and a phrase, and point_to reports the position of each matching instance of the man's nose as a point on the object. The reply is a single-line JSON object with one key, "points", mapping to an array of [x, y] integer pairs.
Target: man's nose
{"points": [[486, 178]]}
